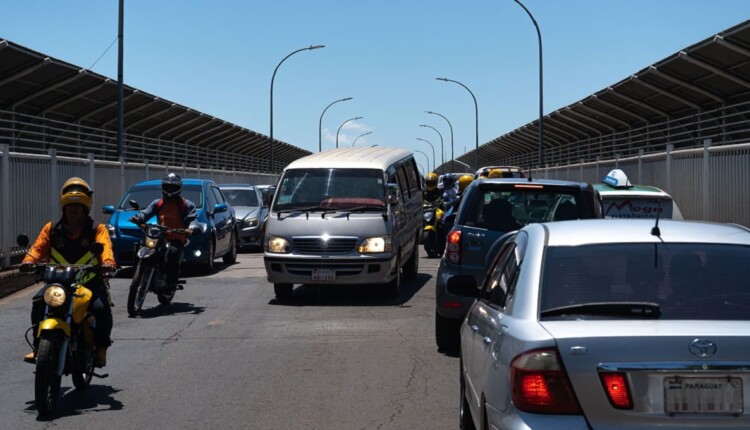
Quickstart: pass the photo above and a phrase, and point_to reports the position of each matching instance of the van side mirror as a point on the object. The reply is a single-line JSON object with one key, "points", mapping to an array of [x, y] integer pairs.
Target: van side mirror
{"points": [[394, 194]]}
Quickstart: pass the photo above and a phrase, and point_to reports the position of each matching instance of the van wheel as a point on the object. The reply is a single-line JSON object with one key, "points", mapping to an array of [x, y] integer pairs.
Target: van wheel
{"points": [[393, 288], [283, 291], [411, 269]]}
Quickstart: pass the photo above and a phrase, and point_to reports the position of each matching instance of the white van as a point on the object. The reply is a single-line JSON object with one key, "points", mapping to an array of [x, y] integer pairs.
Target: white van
{"points": [[345, 216]]}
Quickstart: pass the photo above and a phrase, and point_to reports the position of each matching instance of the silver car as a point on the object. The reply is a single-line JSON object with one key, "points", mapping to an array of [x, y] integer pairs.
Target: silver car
{"points": [[611, 324], [251, 212]]}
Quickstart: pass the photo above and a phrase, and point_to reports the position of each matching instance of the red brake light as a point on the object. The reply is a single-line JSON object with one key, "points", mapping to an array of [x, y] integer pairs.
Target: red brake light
{"points": [[541, 385], [618, 392], [453, 247]]}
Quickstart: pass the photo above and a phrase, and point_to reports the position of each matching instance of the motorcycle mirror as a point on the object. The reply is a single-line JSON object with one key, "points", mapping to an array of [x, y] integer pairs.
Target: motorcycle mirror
{"points": [[134, 204], [96, 248], [22, 240]]}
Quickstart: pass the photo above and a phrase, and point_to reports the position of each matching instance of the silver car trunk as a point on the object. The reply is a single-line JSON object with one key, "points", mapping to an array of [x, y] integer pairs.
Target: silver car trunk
{"points": [[680, 373]]}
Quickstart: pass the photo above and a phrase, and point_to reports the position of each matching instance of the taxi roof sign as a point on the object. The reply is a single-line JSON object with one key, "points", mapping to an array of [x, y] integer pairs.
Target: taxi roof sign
{"points": [[617, 178]]}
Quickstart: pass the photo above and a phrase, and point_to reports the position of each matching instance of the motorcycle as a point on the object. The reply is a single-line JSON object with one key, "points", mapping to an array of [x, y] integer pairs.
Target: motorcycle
{"points": [[431, 237], [65, 335], [150, 274]]}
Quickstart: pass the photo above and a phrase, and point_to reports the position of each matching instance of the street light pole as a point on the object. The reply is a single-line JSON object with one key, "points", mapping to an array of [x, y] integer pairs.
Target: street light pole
{"points": [[541, 88], [320, 123], [342, 124], [476, 117], [451, 127], [273, 77], [433, 151], [464, 164], [442, 148], [428, 160], [357, 138]]}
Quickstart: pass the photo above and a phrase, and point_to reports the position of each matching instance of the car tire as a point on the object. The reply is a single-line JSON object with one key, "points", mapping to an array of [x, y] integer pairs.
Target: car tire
{"points": [[393, 288], [208, 266], [231, 256], [447, 333], [283, 291], [465, 422], [411, 269]]}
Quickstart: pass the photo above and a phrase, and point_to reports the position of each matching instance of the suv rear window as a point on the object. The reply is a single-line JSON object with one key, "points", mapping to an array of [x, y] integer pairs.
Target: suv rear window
{"points": [[686, 280], [507, 207]]}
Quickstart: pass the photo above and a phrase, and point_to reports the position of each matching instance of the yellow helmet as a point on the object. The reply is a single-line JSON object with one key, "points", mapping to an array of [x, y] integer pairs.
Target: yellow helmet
{"points": [[495, 173], [430, 181], [464, 182], [76, 190]]}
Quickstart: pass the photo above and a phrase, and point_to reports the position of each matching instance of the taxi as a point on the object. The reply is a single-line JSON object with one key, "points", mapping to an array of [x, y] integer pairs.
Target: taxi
{"points": [[622, 199]]}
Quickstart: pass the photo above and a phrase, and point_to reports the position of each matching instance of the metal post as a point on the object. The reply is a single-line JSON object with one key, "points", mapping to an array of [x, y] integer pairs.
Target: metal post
{"points": [[706, 184], [670, 148], [541, 86], [5, 204], [120, 103], [92, 177], [640, 166], [122, 176], [55, 184]]}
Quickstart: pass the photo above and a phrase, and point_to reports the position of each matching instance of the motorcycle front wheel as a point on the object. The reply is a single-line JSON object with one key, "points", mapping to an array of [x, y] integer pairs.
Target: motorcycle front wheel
{"points": [[46, 380], [139, 288]]}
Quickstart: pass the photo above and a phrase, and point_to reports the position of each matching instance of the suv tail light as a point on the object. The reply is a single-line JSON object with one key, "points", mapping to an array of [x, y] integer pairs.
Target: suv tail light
{"points": [[541, 385], [617, 389], [453, 247]]}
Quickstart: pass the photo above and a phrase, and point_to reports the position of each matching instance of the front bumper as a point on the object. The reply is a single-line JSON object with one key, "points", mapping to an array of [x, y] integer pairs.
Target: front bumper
{"points": [[251, 236], [356, 270]]}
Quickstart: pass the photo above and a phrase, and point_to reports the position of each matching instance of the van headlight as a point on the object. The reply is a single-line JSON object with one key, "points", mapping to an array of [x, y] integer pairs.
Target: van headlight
{"points": [[277, 245], [250, 222], [375, 244], [54, 295]]}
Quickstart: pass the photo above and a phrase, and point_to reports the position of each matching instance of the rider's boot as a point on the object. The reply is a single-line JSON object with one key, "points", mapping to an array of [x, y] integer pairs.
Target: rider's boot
{"points": [[30, 357], [100, 359]]}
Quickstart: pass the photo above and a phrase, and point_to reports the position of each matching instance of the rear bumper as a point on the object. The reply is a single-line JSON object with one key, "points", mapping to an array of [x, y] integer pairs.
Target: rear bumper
{"points": [[348, 271]]}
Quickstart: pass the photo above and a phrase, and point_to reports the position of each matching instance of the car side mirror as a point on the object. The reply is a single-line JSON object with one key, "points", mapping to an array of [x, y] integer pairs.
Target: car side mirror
{"points": [[268, 196], [22, 240], [394, 194], [463, 285], [108, 209], [134, 204], [220, 207]]}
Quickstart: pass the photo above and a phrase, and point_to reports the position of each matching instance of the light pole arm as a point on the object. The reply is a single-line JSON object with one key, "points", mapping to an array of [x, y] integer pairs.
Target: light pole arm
{"points": [[342, 125], [451, 128], [476, 117], [320, 122], [442, 147], [433, 151], [428, 159]]}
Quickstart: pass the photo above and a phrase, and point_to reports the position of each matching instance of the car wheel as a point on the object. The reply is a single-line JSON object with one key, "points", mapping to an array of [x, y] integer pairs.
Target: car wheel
{"points": [[208, 267], [393, 288], [465, 422], [411, 269], [447, 333], [283, 291], [231, 256]]}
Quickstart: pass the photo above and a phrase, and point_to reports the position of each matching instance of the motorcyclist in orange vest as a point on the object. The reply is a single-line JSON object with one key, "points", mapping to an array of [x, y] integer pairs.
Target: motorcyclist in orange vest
{"points": [[173, 211], [68, 241]]}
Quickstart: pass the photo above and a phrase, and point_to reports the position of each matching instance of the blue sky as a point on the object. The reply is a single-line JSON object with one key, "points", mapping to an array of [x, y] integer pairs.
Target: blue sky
{"points": [[218, 57]]}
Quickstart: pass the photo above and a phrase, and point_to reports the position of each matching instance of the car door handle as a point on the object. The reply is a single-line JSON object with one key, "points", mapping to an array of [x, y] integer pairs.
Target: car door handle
{"points": [[486, 340], [474, 329]]}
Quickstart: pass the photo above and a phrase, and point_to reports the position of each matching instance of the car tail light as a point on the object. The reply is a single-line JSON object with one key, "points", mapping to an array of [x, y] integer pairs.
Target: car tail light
{"points": [[453, 247], [541, 385], [617, 389]]}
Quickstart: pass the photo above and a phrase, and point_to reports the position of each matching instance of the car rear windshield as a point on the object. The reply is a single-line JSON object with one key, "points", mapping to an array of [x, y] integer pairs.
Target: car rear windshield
{"points": [[237, 197], [686, 280], [511, 206], [146, 194], [331, 189]]}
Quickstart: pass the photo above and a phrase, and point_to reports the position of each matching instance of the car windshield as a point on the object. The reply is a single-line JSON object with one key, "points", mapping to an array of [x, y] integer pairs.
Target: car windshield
{"points": [[241, 197], [511, 206], [681, 280], [144, 195], [331, 189]]}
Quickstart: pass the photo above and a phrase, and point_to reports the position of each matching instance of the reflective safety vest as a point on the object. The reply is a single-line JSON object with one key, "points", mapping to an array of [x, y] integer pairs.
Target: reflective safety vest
{"points": [[64, 250]]}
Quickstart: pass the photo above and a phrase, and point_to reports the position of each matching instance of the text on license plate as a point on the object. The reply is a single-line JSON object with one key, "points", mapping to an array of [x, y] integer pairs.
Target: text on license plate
{"points": [[703, 395], [323, 275]]}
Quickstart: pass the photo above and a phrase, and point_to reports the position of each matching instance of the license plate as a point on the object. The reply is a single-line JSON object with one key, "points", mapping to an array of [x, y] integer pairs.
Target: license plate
{"points": [[323, 275], [703, 395]]}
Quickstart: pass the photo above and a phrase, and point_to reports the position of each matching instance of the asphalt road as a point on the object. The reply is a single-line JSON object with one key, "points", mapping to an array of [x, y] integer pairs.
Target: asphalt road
{"points": [[227, 355]]}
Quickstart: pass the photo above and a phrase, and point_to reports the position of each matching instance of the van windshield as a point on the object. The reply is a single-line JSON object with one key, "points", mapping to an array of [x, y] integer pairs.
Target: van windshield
{"points": [[331, 189]]}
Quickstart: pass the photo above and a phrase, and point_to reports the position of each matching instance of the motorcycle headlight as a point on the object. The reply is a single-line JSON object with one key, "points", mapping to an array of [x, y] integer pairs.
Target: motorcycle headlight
{"points": [[428, 216], [278, 245], [250, 222], [376, 244], [54, 295], [151, 243]]}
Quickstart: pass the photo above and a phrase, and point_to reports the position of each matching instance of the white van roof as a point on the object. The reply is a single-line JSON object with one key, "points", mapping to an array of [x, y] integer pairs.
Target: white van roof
{"points": [[374, 157]]}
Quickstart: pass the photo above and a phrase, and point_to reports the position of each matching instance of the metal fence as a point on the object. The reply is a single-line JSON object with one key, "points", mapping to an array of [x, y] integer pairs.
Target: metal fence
{"points": [[30, 186]]}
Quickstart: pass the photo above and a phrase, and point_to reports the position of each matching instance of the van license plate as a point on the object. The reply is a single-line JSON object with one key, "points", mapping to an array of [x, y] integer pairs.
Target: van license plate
{"points": [[703, 395], [323, 275]]}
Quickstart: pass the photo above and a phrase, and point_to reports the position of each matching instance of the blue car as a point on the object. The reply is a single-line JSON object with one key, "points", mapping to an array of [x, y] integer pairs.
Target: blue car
{"points": [[218, 240]]}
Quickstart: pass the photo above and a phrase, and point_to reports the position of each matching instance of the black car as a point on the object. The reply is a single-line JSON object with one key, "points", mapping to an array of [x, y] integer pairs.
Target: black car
{"points": [[491, 208]]}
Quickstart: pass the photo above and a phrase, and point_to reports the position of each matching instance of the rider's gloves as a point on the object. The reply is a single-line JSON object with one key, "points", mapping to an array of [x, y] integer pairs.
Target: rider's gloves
{"points": [[108, 267], [26, 267]]}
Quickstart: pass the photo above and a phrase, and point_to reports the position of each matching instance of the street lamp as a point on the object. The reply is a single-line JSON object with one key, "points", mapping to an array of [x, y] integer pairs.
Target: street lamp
{"points": [[342, 124], [273, 77], [541, 87], [357, 138], [433, 151], [451, 127], [428, 160], [464, 164], [442, 148], [320, 123], [476, 116]]}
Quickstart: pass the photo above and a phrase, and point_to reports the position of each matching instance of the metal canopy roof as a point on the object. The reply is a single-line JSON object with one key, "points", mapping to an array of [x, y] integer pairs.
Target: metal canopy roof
{"points": [[34, 84], [688, 86]]}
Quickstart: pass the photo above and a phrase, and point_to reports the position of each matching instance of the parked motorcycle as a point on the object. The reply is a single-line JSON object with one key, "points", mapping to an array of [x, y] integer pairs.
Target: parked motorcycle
{"points": [[431, 237], [150, 274], [65, 335]]}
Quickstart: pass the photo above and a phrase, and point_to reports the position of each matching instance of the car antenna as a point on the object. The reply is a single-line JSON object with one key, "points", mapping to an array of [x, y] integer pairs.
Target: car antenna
{"points": [[655, 229]]}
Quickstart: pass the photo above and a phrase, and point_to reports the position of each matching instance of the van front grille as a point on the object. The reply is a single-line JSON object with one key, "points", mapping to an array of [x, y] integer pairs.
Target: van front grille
{"points": [[316, 245]]}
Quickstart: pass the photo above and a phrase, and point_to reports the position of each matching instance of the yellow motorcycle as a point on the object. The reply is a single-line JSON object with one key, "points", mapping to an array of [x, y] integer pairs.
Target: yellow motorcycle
{"points": [[431, 239], [65, 335]]}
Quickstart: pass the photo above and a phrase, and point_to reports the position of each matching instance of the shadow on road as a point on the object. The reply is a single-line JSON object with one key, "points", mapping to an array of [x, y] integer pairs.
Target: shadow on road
{"points": [[96, 398], [353, 295], [172, 309]]}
